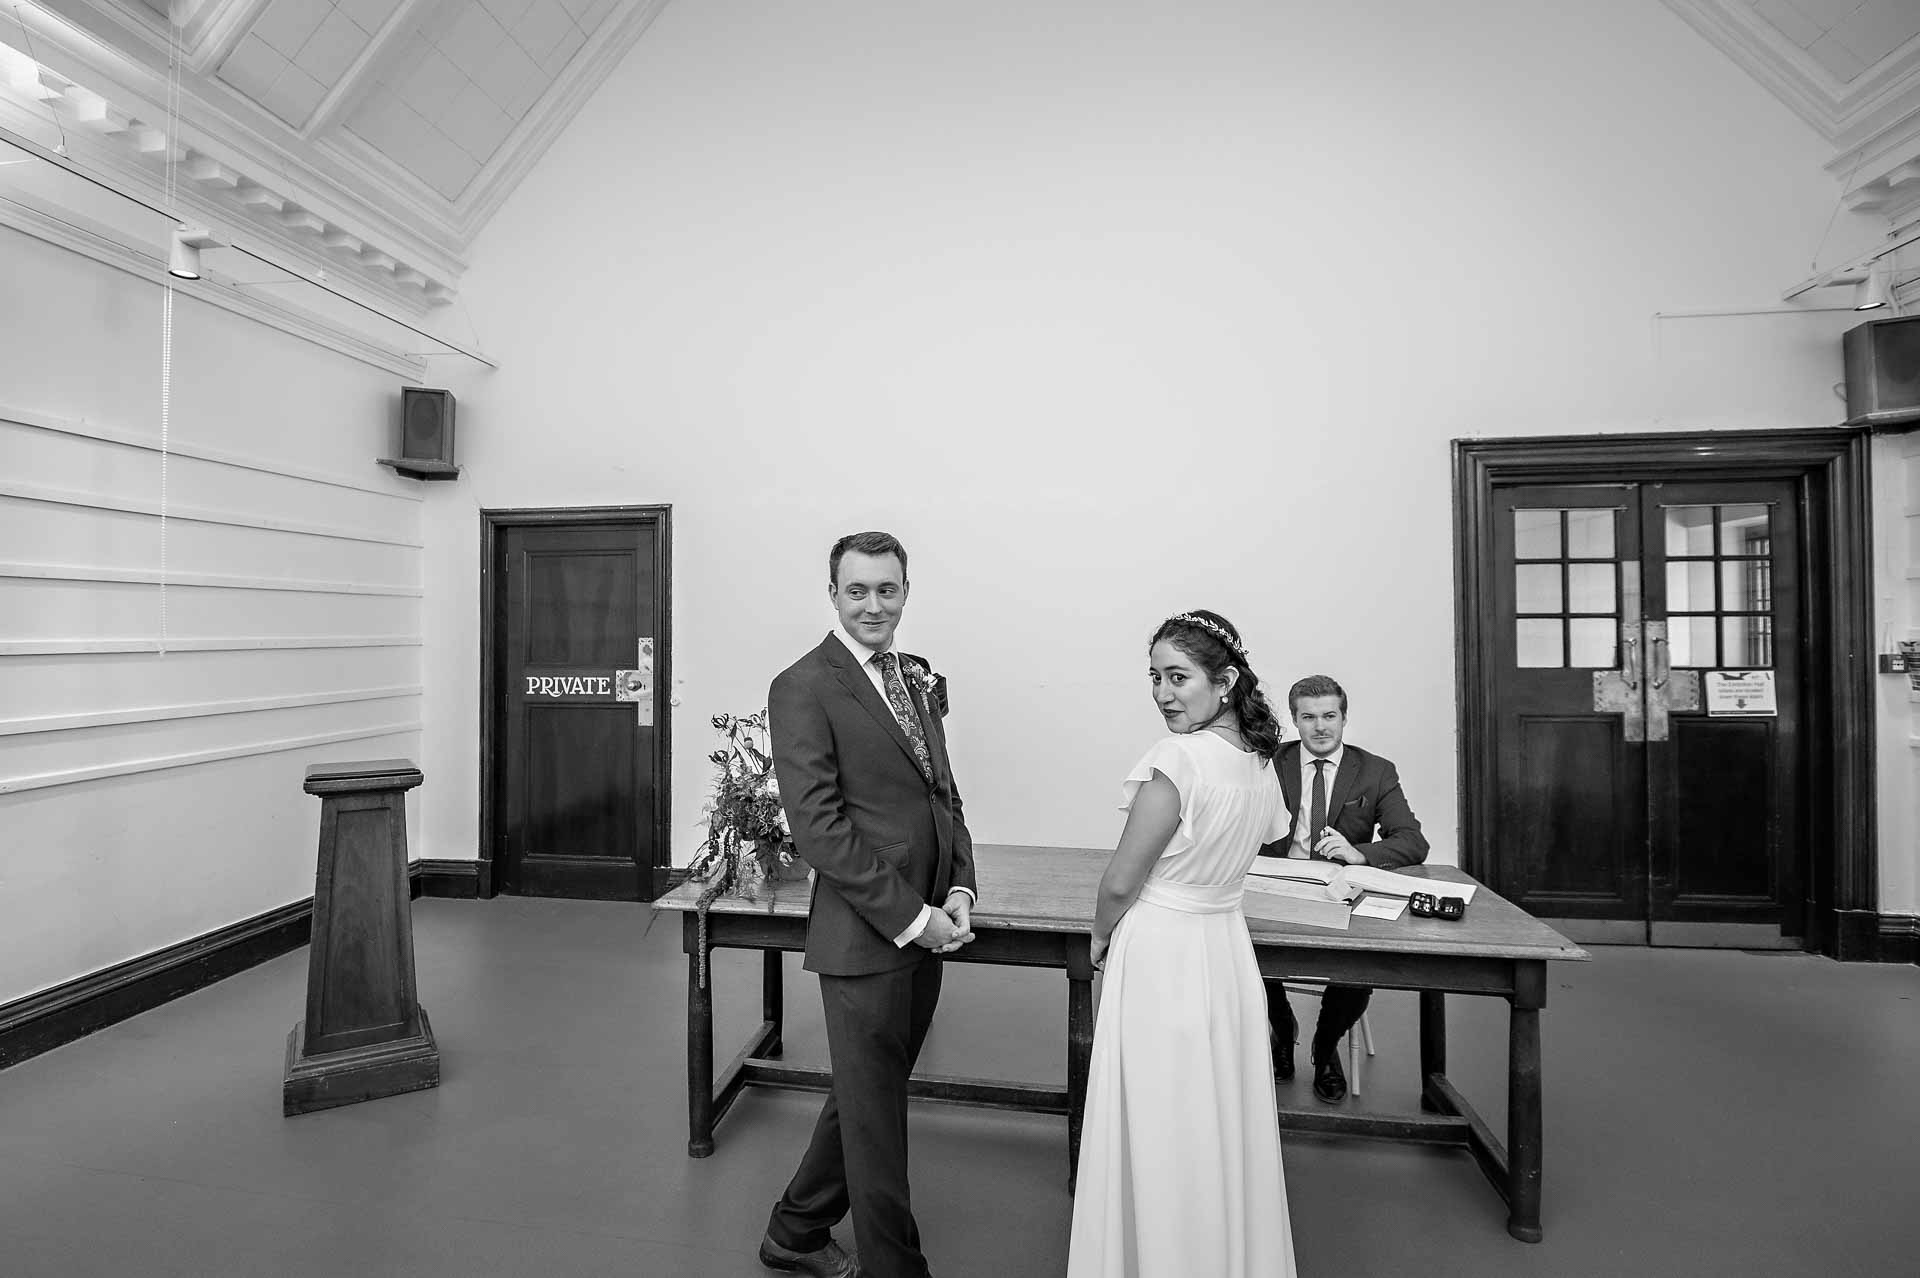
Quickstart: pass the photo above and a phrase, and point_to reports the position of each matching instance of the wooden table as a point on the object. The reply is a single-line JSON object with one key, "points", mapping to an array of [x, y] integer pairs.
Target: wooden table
{"points": [[1036, 910]]}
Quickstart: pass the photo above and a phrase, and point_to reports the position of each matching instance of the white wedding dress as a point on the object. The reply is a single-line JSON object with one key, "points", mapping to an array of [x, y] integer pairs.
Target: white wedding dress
{"points": [[1180, 1149]]}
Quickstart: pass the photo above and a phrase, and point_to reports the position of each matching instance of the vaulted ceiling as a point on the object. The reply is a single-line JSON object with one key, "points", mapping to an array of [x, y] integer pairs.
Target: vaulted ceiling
{"points": [[372, 138]]}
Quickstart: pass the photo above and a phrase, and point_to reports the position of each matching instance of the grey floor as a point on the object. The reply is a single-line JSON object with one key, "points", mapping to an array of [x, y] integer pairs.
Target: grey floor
{"points": [[1708, 1113]]}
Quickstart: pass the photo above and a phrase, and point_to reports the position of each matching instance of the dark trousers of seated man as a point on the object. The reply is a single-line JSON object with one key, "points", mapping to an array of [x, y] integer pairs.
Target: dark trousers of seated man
{"points": [[857, 1159], [1341, 1007]]}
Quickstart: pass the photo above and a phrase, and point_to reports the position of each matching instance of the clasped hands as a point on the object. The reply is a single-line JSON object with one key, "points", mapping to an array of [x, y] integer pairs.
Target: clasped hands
{"points": [[950, 927]]}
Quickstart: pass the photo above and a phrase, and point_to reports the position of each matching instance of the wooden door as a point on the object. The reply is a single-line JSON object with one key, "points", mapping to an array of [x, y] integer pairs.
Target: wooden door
{"points": [[1571, 777], [579, 672], [1724, 787], [1646, 672]]}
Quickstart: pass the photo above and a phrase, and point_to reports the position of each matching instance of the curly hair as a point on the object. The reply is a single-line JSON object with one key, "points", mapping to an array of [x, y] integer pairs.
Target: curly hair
{"points": [[1199, 634]]}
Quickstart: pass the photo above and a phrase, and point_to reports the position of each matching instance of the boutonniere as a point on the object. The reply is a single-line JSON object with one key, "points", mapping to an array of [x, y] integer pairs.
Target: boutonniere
{"points": [[932, 685]]}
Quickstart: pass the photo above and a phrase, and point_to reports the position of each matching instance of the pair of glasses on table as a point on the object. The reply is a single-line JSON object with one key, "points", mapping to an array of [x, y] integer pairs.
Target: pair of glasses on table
{"points": [[1426, 905]]}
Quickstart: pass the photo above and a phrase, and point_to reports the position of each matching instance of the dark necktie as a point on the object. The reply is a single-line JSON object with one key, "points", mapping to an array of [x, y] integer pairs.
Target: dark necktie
{"points": [[903, 712], [1318, 818]]}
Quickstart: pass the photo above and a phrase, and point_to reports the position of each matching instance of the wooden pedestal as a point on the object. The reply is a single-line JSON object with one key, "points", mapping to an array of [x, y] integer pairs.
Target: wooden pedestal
{"points": [[365, 1033]]}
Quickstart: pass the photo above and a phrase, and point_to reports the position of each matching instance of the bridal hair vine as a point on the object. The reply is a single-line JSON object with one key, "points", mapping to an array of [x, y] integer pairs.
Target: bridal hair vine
{"points": [[1213, 628]]}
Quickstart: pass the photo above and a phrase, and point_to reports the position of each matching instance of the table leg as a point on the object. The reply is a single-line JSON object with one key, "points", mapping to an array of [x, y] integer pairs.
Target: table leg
{"points": [[1079, 1051], [1433, 1043], [699, 1054], [772, 1001], [1523, 1102]]}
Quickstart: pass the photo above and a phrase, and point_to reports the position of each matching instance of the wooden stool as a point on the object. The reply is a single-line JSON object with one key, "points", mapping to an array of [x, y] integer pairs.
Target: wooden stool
{"points": [[365, 1033]]}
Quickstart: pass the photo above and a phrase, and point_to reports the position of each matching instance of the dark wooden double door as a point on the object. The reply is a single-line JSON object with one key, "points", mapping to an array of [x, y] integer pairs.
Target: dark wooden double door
{"points": [[1648, 788], [577, 679]]}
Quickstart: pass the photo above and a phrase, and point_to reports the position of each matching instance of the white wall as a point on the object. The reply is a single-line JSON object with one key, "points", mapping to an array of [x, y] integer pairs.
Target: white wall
{"points": [[147, 797], [1111, 310]]}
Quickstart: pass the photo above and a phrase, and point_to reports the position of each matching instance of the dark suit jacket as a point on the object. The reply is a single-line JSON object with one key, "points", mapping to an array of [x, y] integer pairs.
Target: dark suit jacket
{"points": [[882, 841], [1366, 795]]}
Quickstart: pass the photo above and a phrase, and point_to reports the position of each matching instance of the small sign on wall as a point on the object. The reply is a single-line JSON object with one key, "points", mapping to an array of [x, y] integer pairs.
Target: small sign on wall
{"points": [[569, 685], [1737, 694]]}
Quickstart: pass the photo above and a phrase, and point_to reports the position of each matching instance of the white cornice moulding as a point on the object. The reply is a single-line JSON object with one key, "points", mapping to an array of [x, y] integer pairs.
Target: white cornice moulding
{"points": [[1763, 53], [1872, 122], [130, 156], [64, 232], [231, 128], [121, 50]]}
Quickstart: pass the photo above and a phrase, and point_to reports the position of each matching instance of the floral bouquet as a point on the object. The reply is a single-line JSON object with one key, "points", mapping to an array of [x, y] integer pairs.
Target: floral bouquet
{"points": [[748, 844]]}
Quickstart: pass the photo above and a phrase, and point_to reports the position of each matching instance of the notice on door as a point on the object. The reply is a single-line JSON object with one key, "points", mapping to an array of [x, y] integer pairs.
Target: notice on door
{"points": [[1737, 694]]}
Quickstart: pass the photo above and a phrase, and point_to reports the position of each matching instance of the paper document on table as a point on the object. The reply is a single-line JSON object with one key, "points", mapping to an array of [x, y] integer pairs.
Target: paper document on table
{"points": [[1388, 883], [1293, 901], [1381, 907], [1288, 867], [1349, 881]]}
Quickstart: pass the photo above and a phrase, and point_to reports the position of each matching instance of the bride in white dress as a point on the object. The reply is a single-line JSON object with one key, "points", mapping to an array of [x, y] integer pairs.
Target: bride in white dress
{"points": [[1180, 1149]]}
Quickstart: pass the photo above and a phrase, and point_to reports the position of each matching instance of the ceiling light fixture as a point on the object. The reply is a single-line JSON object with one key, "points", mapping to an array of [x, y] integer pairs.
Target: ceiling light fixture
{"points": [[183, 256], [1873, 292]]}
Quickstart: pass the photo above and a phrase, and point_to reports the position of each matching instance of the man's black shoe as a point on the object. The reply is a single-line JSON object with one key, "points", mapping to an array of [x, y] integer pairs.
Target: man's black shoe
{"points": [[1329, 1080], [829, 1262]]}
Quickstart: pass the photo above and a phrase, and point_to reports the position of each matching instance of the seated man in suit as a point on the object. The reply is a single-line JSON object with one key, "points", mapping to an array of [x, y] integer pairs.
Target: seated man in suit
{"points": [[1339, 796]]}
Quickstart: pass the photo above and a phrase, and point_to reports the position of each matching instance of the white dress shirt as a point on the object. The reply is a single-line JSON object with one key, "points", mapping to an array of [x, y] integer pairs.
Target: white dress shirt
{"points": [[864, 656], [1301, 849]]}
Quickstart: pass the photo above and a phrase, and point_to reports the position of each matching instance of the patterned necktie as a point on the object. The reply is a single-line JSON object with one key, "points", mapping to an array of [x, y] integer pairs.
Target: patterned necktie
{"points": [[1318, 821], [903, 712]]}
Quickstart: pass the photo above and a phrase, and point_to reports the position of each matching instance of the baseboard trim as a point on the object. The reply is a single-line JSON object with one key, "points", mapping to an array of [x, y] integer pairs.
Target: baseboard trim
{"points": [[1899, 940], [53, 1017], [1856, 936], [458, 879]]}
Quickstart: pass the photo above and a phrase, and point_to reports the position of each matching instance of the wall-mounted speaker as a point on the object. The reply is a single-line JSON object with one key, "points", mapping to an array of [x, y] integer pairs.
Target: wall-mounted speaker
{"points": [[426, 434], [1883, 372]]}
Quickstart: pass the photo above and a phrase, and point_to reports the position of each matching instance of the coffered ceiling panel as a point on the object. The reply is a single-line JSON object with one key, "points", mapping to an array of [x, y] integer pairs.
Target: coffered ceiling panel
{"points": [[465, 75]]}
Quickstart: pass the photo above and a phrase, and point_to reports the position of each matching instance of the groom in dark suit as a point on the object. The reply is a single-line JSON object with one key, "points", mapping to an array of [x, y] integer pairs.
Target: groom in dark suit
{"points": [[861, 759], [1339, 795]]}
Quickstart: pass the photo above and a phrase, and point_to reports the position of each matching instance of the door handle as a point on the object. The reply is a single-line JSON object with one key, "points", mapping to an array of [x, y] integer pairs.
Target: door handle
{"points": [[1658, 724], [1619, 691], [636, 685]]}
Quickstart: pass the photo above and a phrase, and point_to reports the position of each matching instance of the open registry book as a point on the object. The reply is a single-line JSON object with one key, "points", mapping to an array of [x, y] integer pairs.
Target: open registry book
{"points": [[1324, 893]]}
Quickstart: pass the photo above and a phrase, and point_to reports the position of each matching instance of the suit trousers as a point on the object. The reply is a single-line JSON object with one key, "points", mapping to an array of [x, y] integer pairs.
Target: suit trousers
{"points": [[857, 1159], [1341, 1007]]}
